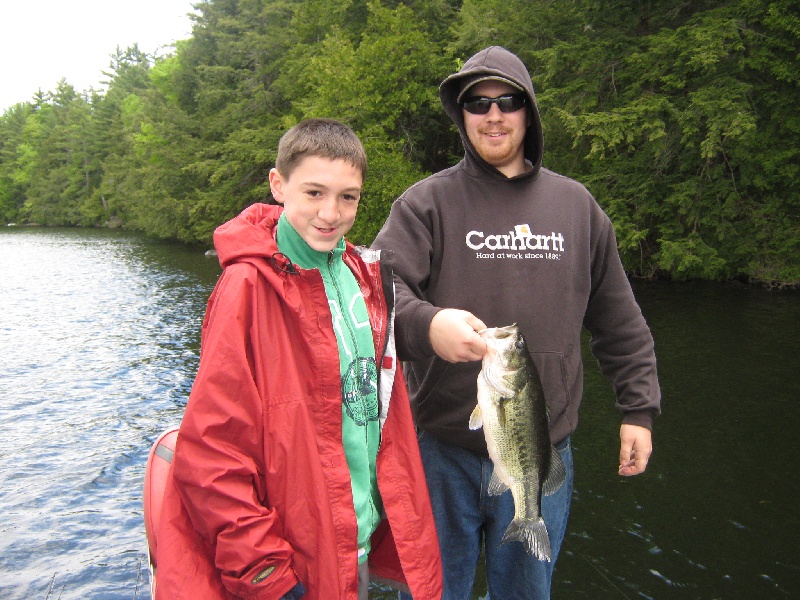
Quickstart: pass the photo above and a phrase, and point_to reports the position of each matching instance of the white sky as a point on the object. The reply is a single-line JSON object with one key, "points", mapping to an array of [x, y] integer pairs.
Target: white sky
{"points": [[43, 41]]}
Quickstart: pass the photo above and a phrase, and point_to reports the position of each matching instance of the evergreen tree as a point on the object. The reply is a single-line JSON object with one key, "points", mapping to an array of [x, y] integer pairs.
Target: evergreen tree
{"points": [[679, 117], [14, 180]]}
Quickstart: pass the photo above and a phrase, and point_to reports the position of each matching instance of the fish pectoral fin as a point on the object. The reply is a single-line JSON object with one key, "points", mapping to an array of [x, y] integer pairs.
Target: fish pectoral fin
{"points": [[555, 474], [476, 418], [501, 412], [496, 485]]}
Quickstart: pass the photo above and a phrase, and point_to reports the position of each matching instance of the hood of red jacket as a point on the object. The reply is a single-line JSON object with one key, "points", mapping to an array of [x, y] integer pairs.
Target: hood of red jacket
{"points": [[248, 236]]}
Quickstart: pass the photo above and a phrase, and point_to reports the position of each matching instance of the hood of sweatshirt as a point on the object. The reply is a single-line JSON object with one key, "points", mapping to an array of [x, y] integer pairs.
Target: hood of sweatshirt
{"points": [[494, 62]]}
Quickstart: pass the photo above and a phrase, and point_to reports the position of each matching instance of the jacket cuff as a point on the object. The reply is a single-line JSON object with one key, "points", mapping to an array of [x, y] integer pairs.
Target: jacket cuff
{"points": [[413, 331], [642, 418], [419, 336]]}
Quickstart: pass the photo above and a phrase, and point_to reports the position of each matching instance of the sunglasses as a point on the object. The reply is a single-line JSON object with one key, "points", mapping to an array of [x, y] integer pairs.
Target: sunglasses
{"points": [[508, 103]]}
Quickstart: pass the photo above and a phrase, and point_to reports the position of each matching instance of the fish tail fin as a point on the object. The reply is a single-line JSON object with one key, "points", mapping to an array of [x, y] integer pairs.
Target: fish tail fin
{"points": [[556, 473], [533, 534]]}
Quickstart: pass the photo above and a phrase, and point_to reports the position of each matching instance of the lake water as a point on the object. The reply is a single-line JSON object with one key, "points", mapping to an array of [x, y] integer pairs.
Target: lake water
{"points": [[99, 337]]}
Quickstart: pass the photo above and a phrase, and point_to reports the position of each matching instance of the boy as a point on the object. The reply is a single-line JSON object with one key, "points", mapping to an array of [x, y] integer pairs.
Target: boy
{"points": [[297, 464]]}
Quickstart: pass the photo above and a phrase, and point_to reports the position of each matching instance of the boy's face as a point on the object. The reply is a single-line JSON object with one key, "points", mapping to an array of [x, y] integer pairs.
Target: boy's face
{"points": [[320, 199]]}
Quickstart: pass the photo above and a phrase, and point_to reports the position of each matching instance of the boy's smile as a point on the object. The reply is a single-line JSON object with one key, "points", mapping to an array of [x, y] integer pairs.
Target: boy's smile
{"points": [[320, 199]]}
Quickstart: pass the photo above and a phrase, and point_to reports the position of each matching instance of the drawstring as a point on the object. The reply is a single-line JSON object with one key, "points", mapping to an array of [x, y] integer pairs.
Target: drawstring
{"points": [[283, 263]]}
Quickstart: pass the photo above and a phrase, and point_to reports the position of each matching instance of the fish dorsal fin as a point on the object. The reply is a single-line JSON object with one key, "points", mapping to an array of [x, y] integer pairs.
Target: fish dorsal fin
{"points": [[476, 418], [496, 486], [555, 474]]}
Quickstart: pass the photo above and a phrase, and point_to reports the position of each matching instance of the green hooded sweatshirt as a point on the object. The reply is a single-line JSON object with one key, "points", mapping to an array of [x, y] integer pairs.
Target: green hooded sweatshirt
{"points": [[360, 429]]}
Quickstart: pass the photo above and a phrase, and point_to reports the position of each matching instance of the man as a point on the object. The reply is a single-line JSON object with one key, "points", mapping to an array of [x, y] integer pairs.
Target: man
{"points": [[498, 239]]}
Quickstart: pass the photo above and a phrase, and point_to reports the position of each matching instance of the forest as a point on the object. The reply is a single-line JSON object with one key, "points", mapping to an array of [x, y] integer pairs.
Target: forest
{"points": [[680, 117]]}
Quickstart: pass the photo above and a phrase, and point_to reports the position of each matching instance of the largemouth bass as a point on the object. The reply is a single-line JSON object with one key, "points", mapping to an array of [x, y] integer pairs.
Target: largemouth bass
{"points": [[512, 411]]}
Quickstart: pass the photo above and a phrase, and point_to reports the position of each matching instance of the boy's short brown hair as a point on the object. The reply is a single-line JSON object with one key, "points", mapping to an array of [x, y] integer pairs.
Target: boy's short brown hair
{"points": [[325, 138]]}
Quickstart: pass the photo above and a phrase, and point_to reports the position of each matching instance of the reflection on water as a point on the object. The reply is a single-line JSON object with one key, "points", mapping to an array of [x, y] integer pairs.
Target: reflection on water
{"points": [[715, 515], [99, 334], [98, 344]]}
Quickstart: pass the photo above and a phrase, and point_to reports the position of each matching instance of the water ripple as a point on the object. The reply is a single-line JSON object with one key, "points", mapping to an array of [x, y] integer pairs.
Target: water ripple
{"points": [[98, 347]]}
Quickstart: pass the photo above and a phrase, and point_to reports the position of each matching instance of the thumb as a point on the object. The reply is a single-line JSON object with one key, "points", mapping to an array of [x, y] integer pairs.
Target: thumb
{"points": [[475, 322]]}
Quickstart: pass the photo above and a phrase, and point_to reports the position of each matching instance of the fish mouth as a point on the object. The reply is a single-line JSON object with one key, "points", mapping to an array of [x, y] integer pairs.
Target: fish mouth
{"points": [[498, 332], [508, 330], [494, 372]]}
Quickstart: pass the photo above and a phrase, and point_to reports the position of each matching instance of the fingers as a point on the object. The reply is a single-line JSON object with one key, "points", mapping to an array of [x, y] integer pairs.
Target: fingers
{"points": [[475, 323], [476, 343], [454, 336], [635, 449], [632, 467]]}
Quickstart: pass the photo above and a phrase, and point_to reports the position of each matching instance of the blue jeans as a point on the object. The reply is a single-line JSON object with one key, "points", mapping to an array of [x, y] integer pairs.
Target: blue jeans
{"points": [[467, 517]]}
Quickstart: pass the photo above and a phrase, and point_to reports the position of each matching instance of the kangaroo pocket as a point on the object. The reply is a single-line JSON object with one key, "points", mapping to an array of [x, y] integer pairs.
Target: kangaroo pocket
{"points": [[552, 367]]}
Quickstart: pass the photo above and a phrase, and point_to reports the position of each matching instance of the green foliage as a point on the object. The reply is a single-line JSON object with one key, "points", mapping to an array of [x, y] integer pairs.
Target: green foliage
{"points": [[673, 130], [388, 171], [679, 117], [14, 158], [385, 87]]}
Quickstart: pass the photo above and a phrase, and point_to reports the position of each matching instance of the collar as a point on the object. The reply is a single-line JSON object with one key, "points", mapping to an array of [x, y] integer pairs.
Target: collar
{"points": [[297, 249]]}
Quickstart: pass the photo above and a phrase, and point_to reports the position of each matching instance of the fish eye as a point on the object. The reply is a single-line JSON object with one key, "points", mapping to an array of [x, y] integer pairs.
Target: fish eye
{"points": [[519, 344]]}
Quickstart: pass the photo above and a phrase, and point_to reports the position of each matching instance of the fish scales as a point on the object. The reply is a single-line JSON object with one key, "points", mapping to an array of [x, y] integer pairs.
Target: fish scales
{"points": [[513, 413]]}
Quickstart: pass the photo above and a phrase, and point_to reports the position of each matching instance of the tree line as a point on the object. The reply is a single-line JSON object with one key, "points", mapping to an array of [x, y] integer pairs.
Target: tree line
{"points": [[680, 117]]}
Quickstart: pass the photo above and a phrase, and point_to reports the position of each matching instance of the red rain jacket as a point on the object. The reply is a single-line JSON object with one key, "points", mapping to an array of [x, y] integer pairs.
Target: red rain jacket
{"points": [[259, 492]]}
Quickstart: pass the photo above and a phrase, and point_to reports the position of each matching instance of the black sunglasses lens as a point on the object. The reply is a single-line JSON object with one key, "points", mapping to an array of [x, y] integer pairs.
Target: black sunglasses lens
{"points": [[477, 106], [510, 103]]}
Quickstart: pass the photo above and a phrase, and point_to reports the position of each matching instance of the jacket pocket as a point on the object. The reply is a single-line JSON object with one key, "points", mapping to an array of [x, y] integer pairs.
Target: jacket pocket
{"points": [[553, 373]]}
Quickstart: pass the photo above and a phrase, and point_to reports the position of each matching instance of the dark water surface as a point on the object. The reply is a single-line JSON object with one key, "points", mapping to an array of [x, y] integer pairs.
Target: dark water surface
{"points": [[99, 335]]}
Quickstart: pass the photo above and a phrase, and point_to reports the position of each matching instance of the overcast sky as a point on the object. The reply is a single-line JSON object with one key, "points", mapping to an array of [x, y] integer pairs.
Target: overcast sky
{"points": [[43, 41]]}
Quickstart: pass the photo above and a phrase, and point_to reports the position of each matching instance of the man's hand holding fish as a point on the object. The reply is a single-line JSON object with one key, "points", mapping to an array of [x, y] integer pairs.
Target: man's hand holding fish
{"points": [[454, 335]]}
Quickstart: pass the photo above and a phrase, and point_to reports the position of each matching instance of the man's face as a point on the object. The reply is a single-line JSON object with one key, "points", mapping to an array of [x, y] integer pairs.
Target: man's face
{"points": [[320, 199], [497, 136]]}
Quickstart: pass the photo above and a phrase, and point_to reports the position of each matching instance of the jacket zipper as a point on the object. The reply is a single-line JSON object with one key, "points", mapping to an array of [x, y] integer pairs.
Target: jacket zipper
{"points": [[331, 258]]}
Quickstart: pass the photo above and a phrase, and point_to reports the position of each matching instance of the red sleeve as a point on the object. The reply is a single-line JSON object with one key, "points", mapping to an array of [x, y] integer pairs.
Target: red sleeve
{"points": [[219, 462]]}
